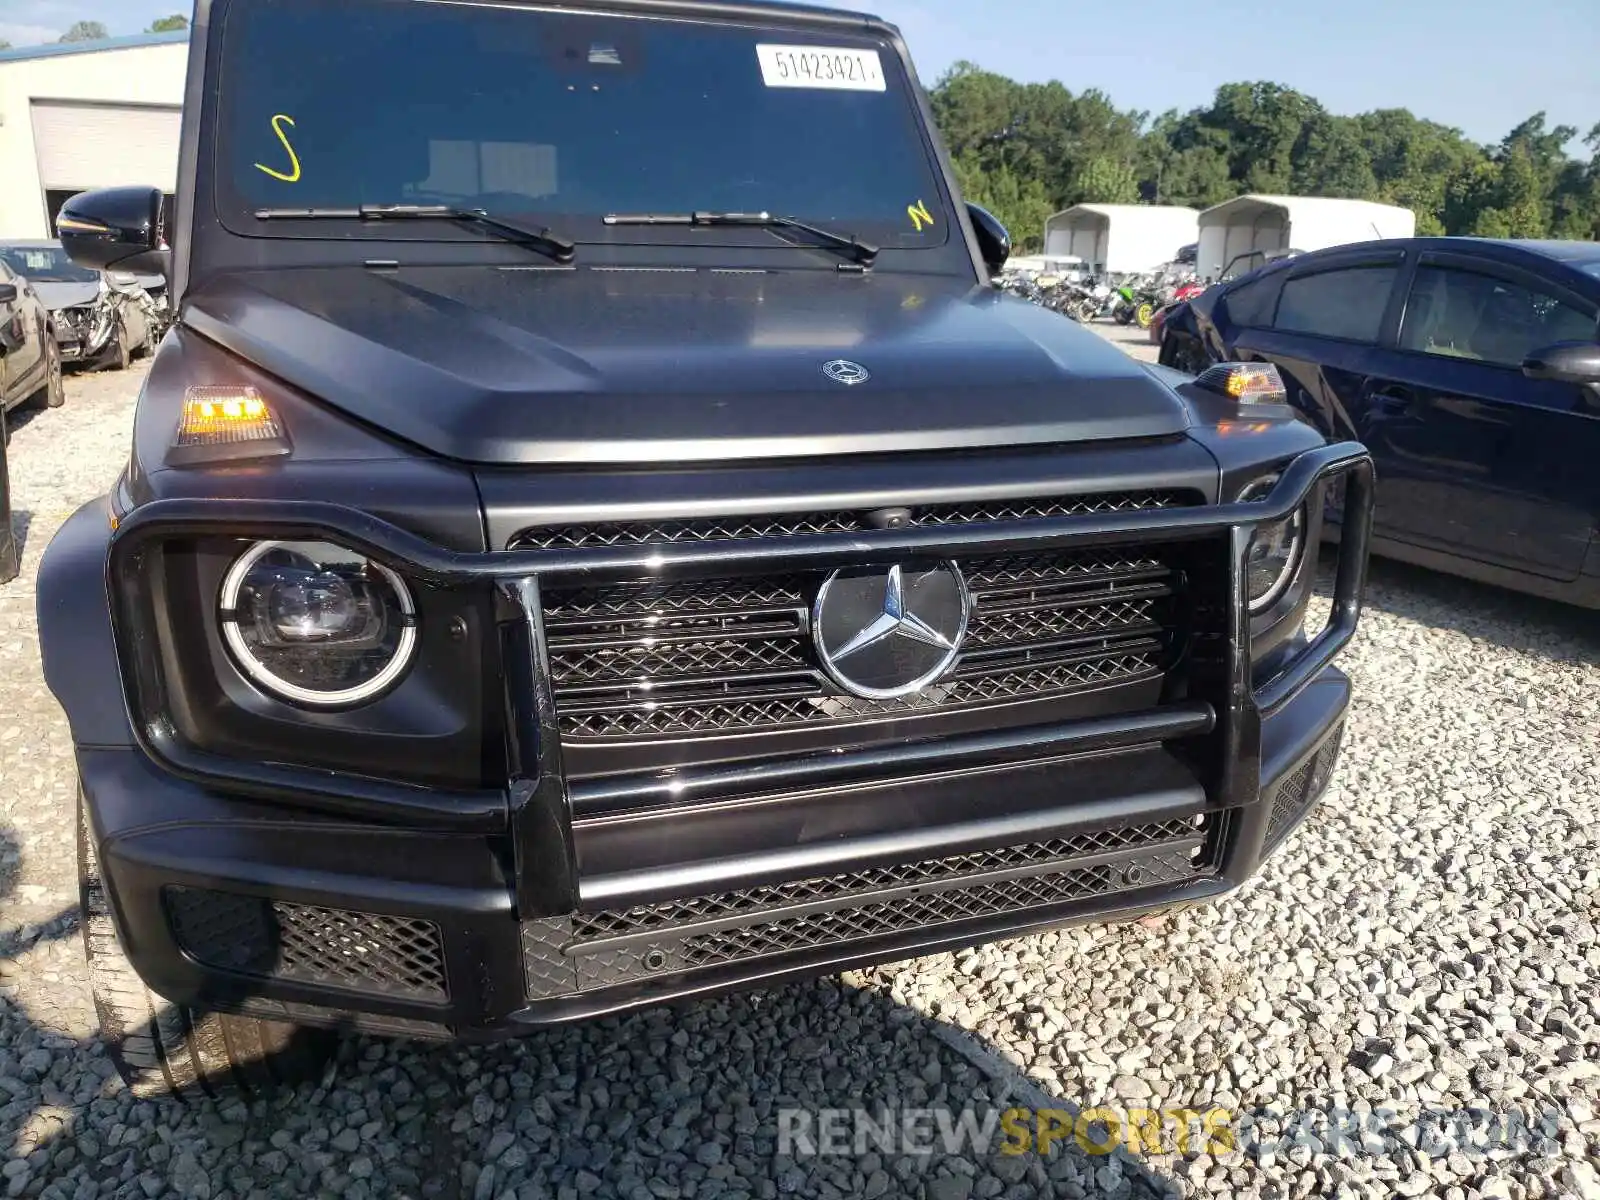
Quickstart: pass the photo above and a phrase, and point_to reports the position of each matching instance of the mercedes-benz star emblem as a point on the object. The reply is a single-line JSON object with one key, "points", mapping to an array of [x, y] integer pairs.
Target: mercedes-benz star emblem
{"points": [[888, 632], [842, 370]]}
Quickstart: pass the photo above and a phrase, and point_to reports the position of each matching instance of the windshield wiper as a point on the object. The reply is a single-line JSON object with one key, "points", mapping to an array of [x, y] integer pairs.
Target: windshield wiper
{"points": [[862, 252], [544, 240]]}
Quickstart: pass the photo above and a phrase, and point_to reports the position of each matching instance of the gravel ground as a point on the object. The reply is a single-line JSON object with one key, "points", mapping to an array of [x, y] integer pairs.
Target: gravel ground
{"points": [[1428, 941]]}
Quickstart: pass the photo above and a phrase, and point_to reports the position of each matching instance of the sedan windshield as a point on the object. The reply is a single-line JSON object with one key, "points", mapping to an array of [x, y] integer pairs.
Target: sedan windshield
{"points": [[561, 118], [45, 264]]}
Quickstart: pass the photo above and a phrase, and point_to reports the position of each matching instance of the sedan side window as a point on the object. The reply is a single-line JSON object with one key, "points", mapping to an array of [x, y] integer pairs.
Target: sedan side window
{"points": [[1251, 304], [1463, 314], [1345, 304]]}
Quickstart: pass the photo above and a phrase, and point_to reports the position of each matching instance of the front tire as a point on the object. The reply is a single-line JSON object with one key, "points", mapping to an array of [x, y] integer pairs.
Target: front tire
{"points": [[54, 391], [1144, 314], [166, 1051], [119, 356], [55, 384], [1171, 354]]}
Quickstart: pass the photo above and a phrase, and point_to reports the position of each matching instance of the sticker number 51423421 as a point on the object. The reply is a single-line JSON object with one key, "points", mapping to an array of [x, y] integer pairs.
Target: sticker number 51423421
{"points": [[844, 68]]}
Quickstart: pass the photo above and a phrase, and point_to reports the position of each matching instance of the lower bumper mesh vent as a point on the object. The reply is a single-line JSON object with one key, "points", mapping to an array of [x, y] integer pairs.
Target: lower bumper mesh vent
{"points": [[302, 943], [1292, 798], [571, 954], [906, 913]]}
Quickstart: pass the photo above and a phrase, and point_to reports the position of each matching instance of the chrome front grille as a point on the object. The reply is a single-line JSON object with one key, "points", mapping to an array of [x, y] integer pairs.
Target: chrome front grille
{"points": [[641, 661]]}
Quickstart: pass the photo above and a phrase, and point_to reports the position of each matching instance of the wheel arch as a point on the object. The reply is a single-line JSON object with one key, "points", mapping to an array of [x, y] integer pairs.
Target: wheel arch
{"points": [[75, 636]]}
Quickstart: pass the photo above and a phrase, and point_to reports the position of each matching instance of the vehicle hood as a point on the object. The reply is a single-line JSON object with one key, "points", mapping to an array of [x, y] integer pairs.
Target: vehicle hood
{"points": [[506, 366], [57, 295]]}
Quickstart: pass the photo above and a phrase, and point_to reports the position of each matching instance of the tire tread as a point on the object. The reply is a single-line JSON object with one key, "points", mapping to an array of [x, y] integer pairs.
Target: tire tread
{"points": [[164, 1050]]}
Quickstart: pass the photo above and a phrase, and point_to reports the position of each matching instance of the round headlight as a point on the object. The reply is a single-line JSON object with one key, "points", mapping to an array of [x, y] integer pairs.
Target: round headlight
{"points": [[316, 623], [1274, 553]]}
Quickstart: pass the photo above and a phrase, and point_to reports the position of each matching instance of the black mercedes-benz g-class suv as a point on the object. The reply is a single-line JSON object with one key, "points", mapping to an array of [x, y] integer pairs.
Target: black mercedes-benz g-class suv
{"points": [[595, 536]]}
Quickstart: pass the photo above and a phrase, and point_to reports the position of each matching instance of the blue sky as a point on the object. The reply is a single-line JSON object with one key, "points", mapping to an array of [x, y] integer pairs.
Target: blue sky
{"points": [[1481, 65]]}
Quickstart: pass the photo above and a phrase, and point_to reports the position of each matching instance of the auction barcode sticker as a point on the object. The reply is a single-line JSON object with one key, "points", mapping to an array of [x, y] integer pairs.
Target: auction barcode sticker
{"points": [[844, 68]]}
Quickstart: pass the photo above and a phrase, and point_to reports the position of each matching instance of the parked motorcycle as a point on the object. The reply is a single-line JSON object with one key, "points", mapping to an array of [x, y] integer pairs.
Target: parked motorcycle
{"points": [[1138, 299]]}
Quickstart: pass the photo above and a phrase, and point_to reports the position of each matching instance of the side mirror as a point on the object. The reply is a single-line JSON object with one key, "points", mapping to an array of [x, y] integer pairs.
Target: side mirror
{"points": [[994, 243], [1565, 362], [114, 227], [8, 293]]}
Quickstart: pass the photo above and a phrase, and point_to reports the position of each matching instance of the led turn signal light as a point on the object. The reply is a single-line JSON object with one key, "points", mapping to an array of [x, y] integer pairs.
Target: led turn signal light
{"points": [[1245, 382], [221, 416]]}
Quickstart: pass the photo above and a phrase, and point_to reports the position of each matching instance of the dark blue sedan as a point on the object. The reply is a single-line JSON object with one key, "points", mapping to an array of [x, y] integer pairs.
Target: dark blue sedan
{"points": [[1471, 370]]}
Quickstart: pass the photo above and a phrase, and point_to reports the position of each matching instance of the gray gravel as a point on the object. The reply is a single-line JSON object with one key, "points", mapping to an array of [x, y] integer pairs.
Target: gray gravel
{"points": [[1428, 941]]}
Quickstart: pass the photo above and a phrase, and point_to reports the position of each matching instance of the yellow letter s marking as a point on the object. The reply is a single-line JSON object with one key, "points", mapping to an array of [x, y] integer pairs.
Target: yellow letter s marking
{"points": [[294, 159]]}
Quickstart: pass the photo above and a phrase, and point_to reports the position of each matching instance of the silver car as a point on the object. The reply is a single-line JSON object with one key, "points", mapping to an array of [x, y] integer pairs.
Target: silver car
{"points": [[100, 317]]}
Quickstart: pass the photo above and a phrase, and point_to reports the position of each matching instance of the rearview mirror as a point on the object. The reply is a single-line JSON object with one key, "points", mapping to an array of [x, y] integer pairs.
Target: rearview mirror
{"points": [[1565, 362], [994, 243], [114, 227]]}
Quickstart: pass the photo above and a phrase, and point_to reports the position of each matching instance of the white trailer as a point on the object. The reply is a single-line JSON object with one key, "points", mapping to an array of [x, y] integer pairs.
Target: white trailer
{"points": [[1267, 225], [1119, 239]]}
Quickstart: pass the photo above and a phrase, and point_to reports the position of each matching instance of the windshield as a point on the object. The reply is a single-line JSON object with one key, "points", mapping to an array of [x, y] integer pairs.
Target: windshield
{"points": [[45, 264], [565, 117]]}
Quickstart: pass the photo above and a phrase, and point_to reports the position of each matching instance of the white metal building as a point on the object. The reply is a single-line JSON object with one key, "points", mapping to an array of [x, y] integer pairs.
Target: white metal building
{"points": [[1121, 238], [85, 115], [1269, 223]]}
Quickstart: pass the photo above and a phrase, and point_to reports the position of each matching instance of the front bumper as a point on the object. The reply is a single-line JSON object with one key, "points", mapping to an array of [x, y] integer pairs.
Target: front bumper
{"points": [[83, 337], [268, 909], [355, 908]]}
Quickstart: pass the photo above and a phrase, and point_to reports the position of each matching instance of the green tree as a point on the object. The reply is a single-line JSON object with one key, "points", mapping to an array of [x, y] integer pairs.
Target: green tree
{"points": [[1265, 124], [1031, 149], [85, 31], [1103, 180], [1021, 206], [170, 24], [1331, 160]]}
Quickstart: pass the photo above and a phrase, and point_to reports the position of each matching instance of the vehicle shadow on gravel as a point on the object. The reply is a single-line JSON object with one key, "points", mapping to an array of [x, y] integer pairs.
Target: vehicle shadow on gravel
{"points": [[23, 415], [21, 519], [826, 1088], [816, 1089], [35, 1059]]}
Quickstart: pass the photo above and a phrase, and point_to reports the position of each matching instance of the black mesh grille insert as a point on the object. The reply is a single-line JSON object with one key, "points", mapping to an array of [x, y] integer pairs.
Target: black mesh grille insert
{"points": [[918, 911], [1300, 790], [327, 947], [638, 661], [1004, 887], [830, 887], [642, 533]]}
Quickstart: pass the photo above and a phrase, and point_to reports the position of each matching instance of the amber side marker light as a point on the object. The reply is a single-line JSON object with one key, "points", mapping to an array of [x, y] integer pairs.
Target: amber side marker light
{"points": [[1245, 382], [79, 225], [221, 421]]}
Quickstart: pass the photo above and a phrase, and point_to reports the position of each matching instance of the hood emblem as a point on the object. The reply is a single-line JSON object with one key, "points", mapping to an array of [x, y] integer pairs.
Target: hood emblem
{"points": [[842, 370], [882, 632]]}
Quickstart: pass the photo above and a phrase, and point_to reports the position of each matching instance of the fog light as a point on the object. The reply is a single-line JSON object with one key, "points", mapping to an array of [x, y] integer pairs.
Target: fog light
{"points": [[317, 623]]}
